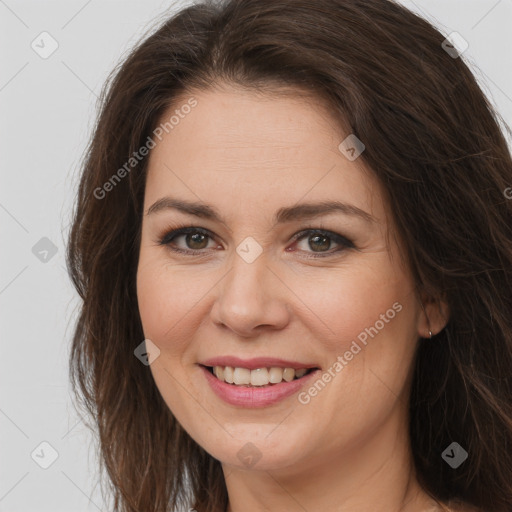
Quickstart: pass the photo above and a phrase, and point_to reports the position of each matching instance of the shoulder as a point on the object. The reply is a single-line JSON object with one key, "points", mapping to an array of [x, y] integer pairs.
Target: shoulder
{"points": [[458, 507]]}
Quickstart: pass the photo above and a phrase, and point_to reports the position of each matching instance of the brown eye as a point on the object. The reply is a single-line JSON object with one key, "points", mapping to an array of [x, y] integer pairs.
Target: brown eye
{"points": [[320, 241], [195, 239]]}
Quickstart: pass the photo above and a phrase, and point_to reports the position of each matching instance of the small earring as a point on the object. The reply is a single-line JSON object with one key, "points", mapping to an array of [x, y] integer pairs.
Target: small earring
{"points": [[429, 331]]}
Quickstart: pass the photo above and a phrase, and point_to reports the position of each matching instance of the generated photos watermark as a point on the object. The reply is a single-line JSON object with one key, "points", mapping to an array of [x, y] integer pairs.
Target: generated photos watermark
{"points": [[143, 151], [342, 360]]}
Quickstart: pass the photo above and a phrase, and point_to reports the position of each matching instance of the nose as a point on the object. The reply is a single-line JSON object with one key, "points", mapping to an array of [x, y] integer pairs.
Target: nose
{"points": [[251, 298]]}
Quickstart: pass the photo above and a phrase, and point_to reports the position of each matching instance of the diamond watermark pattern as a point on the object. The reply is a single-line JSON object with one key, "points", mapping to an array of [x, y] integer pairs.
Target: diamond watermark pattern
{"points": [[44, 455], [249, 249], [351, 147], [454, 455], [249, 455], [44, 250], [455, 45], [147, 352], [44, 45]]}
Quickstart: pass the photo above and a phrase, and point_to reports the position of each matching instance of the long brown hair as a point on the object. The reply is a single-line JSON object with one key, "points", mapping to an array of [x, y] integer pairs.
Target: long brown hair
{"points": [[431, 138]]}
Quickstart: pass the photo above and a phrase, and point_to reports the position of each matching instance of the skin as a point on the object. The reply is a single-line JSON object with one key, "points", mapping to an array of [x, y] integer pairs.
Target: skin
{"points": [[248, 155]]}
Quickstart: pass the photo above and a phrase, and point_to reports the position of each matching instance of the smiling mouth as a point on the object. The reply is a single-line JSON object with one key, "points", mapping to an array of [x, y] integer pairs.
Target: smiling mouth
{"points": [[259, 377]]}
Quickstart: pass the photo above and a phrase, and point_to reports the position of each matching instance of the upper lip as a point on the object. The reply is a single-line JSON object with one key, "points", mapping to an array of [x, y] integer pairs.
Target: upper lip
{"points": [[256, 362]]}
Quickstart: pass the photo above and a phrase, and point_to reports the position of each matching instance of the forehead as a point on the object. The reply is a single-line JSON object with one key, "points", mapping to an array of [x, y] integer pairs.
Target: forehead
{"points": [[238, 149]]}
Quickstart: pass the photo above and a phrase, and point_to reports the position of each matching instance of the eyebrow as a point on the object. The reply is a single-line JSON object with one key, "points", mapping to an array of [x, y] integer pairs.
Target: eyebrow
{"points": [[285, 214]]}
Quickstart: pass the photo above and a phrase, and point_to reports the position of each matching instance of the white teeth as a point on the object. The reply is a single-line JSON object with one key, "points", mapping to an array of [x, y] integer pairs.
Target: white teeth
{"points": [[288, 374], [276, 375], [241, 376], [228, 374], [258, 376]]}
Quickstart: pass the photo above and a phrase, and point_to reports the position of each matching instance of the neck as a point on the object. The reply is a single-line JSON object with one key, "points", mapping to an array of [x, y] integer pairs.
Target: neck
{"points": [[375, 474]]}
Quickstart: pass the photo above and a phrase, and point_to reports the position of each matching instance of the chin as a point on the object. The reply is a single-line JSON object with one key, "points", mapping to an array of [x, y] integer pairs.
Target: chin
{"points": [[257, 447]]}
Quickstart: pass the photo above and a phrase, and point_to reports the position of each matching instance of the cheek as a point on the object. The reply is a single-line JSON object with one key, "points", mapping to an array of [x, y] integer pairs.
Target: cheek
{"points": [[166, 298], [344, 302], [367, 319]]}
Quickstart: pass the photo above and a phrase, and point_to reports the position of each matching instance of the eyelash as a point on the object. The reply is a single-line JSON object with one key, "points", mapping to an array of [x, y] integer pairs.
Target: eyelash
{"points": [[169, 237]]}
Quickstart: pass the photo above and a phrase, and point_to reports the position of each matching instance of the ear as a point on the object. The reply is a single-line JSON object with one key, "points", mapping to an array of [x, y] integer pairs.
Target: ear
{"points": [[434, 315]]}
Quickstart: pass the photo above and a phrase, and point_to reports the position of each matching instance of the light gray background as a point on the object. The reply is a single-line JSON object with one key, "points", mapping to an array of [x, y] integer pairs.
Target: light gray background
{"points": [[48, 108]]}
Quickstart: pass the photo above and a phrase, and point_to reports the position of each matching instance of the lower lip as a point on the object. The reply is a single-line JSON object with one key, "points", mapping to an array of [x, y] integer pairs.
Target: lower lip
{"points": [[263, 396]]}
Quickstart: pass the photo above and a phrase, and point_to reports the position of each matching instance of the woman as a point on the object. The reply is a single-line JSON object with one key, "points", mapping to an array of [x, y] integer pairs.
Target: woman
{"points": [[293, 243]]}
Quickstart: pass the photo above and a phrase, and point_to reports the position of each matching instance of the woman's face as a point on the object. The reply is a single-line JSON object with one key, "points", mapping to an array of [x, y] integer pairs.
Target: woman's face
{"points": [[338, 300]]}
